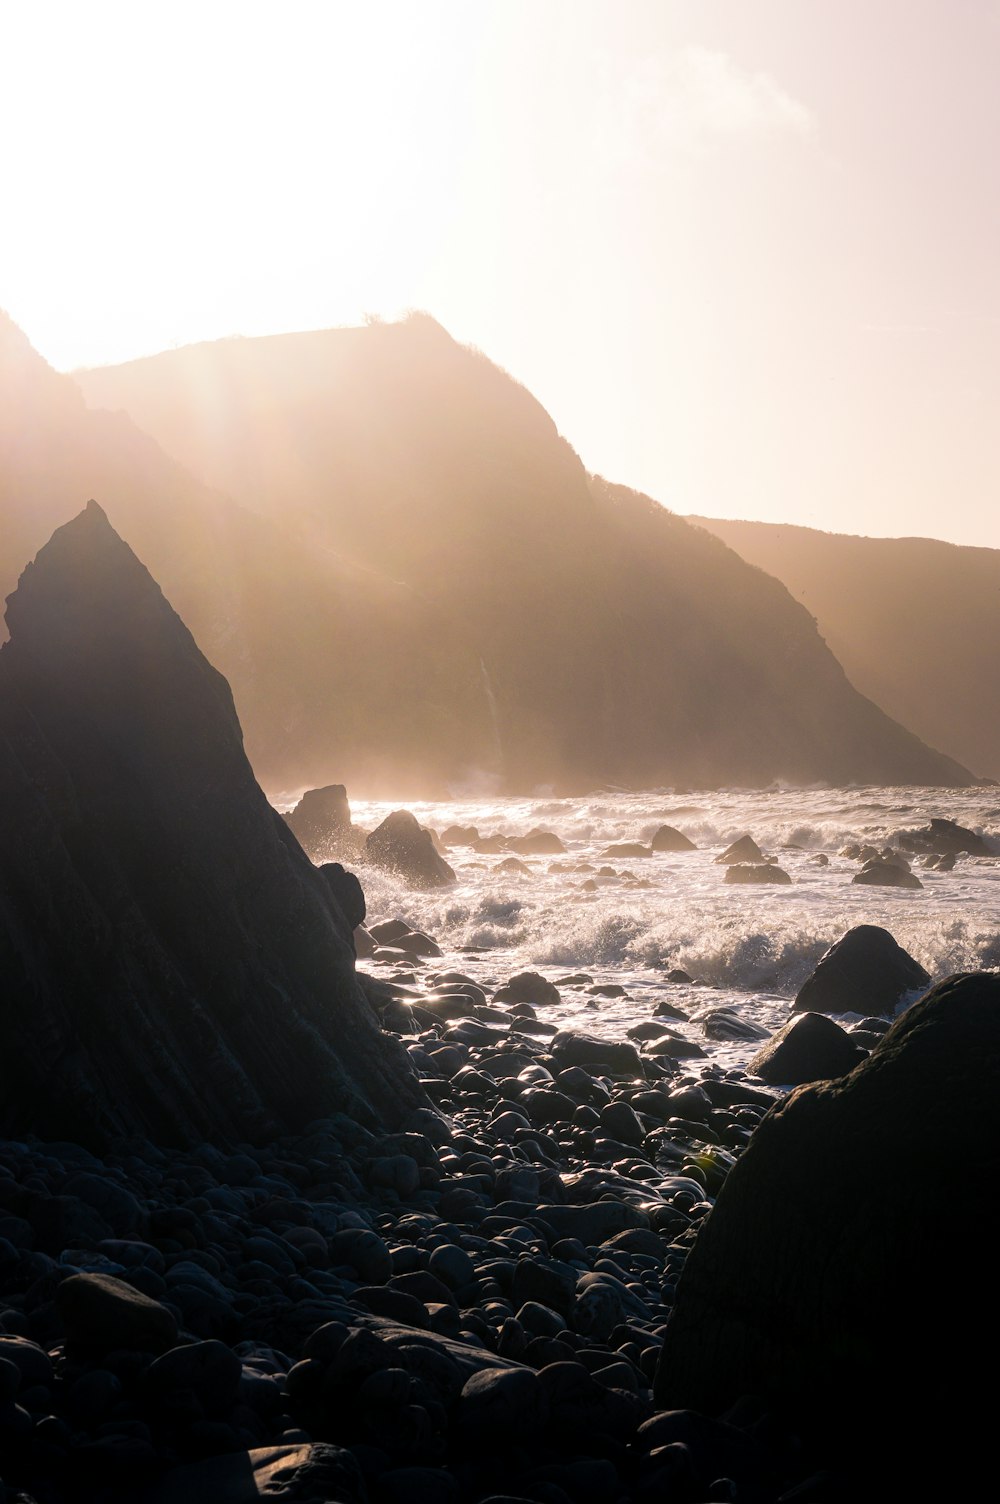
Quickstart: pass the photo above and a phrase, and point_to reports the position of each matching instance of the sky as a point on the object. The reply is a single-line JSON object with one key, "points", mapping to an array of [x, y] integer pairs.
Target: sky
{"points": [[745, 252]]}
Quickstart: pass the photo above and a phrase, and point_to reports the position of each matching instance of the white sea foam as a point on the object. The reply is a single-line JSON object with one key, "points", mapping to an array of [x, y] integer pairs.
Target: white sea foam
{"points": [[748, 946]]}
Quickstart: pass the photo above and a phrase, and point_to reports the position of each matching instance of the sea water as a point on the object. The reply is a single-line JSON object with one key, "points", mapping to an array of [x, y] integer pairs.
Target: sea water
{"points": [[748, 948]]}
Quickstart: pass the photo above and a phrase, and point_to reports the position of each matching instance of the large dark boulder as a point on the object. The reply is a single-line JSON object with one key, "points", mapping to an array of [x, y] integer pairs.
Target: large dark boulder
{"points": [[401, 845], [866, 971], [321, 822], [173, 964], [808, 1048], [879, 873], [669, 839], [847, 1273]]}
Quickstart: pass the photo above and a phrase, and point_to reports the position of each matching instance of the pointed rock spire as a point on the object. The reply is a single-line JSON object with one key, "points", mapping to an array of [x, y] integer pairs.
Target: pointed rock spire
{"points": [[173, 964]]}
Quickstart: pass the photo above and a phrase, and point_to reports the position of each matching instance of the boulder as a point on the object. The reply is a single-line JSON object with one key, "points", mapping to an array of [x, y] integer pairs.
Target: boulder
{"points": [[459, 835], [627, 849], [402, 846], [527, 987], [536, 843], [669, 839], [347, 893], [103, 1313], [838, 1275], [756, 872], [866, 971], [174, 965], [743, 850], [943, 838], [582, 1049], [321, 821], [293, 1474], [877, 872], [810, 1047]]}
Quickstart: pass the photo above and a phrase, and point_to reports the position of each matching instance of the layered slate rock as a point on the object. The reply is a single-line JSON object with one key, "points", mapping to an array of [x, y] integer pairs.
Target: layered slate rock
{"points": [[808, 1048], [173, 964], [866, 971], [847, 1270]]}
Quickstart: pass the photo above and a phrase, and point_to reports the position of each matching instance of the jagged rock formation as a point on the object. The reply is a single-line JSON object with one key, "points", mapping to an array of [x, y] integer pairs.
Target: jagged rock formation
{"points": [[915, 623], [613, 641], [810, 1283], [173, 964], [321, 823]]}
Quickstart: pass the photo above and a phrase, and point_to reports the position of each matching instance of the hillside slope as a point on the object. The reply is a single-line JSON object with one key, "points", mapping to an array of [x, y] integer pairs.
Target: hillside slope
{"points": [[617, 641], [915, 622], [332, 665]]}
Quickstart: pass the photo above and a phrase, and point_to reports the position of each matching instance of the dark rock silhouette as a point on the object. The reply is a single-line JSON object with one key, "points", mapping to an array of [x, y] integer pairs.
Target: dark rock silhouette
{"points": [[880, 873], [866, 971], [809, 1284], [669, 839], [400, 844], [321, 821], [915, 622], [808, 1048], [743, 850], [173, 964], [610, 640], [348, 894]]}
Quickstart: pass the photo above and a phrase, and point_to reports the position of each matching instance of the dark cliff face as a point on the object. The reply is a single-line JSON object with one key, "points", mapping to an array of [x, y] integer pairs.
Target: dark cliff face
{"points": [[617, 642], [173, 965]]}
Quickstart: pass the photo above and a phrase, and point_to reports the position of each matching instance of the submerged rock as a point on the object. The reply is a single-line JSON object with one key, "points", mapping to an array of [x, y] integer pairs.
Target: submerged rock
{"points": [[174, 966], [866, 971], [811, 1285], [756, 872]]}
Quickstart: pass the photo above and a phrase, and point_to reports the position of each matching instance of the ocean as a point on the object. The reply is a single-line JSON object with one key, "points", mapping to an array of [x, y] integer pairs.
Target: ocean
{"points": [[748, 949]]}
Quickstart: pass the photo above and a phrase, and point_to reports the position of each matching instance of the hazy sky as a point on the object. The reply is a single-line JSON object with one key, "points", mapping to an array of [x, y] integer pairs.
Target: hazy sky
{"points": [[746, 252]]}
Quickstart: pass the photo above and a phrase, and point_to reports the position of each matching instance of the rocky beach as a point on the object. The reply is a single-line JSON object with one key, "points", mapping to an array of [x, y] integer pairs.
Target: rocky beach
{"points": [[403, 1228]]}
